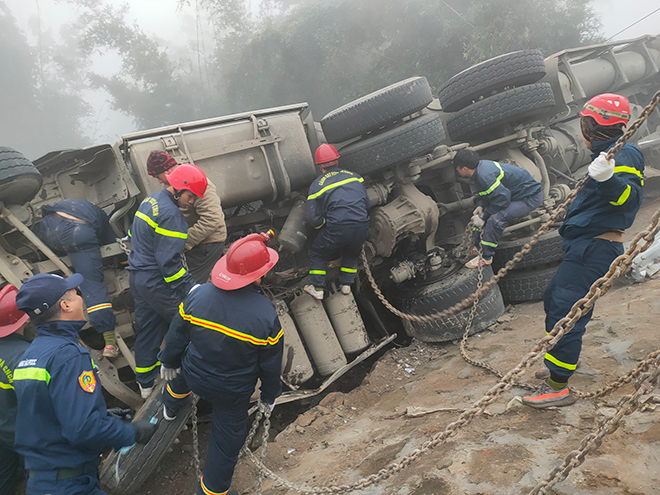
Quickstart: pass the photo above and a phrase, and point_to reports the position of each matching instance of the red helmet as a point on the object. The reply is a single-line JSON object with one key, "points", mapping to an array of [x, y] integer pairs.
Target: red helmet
{"points": [[190, 177], [247, 260], [11, 318], [325, 153], [608, 109]]}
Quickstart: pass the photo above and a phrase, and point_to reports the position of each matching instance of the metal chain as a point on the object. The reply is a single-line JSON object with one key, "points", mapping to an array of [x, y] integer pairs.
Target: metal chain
{"points": [[195, 435], [627, 405], [123, 246]]}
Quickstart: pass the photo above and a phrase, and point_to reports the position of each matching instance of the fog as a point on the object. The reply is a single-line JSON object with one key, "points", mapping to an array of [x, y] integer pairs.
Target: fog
{"points": [[86, 72]]}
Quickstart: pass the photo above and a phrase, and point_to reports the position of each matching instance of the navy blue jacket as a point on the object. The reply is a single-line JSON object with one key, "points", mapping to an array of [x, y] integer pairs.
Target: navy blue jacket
{"points": [[225, 340], [62, 419], [12, 348], [500, 183], [609, 205], [86, 211], [158, 236], [338, 197]]}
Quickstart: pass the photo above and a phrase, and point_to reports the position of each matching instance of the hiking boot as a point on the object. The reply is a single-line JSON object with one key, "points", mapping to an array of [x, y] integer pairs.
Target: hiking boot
{"points": [[315, 292], [346, 289], [478, 261], [168, 415], [145, 392], [546, 396], [110, 352]]}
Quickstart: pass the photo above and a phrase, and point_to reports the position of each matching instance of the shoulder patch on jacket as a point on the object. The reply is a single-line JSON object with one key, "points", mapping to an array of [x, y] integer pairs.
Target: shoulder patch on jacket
{"points": [[87, 381]]}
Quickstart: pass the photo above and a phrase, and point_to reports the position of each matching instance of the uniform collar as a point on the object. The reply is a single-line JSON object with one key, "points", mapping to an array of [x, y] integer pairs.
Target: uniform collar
{"points": [[598, 146], [61, 329]]}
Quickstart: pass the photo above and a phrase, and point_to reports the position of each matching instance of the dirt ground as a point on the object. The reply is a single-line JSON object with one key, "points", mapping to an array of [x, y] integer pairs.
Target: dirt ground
{"points": [[348, 434]]}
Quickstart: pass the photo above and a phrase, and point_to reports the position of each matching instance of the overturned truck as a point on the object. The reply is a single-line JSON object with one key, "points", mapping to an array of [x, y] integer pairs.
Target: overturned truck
{"points": [[517, 108]]}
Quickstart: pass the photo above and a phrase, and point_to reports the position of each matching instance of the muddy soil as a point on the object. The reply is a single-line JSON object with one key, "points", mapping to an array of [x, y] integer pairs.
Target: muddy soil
{"points": [[349, 434]]}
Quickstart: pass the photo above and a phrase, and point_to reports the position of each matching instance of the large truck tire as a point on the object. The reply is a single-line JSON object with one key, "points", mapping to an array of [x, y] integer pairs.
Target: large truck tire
{"points": [[394, 146], [526, 285], [481, 80], [377, 109], [125, 473], [20, 180], [426, 298], [516, 104], [545, 252]]}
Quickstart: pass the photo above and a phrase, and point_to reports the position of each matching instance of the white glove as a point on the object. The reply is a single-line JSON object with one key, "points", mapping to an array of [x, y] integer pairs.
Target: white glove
{"points": [[261, 404], [601, 169], [478, 222], [168, 374], [478, 210]]}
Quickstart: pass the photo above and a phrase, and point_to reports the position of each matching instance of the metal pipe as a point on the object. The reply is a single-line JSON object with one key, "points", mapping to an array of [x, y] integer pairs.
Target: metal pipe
{"points": [[114, 219], [540, 163], [524, 224]]}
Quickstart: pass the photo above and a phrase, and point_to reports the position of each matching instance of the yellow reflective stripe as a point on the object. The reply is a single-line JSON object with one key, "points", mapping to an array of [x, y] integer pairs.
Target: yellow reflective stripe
{"points": [[332, 186], [177, 396], [559, 363], [495, 184], [6, 386], [228, 331], [146, 370], [623, 198], [322, 224], [98, 307], [629, 170], [349, 270], [317, 272], [40, 374], [485, 243], [176, 276], [209, 492], [160, 230]]}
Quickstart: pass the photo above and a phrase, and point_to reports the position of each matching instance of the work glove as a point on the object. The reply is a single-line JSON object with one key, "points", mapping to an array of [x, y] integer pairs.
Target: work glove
{"points": [[478, 210], [144, 430], [601, 169], [168, 374], [261, 405], [119, 413], [478, 221]]}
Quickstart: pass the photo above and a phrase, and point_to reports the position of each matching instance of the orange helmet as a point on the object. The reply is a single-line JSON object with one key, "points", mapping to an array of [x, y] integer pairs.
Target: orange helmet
{"points": [[325, 153], [608, 109], [247, 260], [188, 177], [11, 318]]}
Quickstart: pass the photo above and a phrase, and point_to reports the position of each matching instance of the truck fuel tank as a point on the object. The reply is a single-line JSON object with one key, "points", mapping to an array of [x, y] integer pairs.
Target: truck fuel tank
{"points": [[296, 366], [347, 322]]}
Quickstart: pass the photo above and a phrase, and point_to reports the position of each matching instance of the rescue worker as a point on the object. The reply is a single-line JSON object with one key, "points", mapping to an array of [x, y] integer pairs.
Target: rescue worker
{"points": [[78, 228], [207, 231], [12, 346], [158, 279], [225, 337], [62, 424], [337, 205], [592, 237], [506, 192]]}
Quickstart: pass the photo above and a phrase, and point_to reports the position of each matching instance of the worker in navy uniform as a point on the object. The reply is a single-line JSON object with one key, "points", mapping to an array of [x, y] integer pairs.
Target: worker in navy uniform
{"points": [[78, 228], [62, 424], [593, 237], [225, 337], [158, 279], [506, 192], [337, 205], [12, 346]]}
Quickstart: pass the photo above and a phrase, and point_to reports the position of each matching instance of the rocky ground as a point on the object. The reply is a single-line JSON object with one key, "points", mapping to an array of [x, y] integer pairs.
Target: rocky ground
{"points": [[346, 434]]}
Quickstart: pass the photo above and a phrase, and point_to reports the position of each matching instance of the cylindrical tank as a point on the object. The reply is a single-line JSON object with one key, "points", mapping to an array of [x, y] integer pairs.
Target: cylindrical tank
{"points": [[294, 232], [347, 322], [318, 334], [296, 366]]}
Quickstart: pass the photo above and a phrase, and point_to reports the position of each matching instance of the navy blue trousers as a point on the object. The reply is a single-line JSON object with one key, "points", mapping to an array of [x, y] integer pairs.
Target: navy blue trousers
{"points": [[336, 241], [80, 241], [155, 306], [46, 483], [229, 420], [496, 223], [585, 262], [10, 469]]}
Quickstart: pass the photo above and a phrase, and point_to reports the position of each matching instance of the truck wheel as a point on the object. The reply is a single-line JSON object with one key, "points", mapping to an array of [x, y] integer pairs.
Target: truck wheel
{"points": [[19, 178], [125, 473], [377, 109], [392, 147], [481, 80], [526, 285], [442, 294], [490, 113], [546, 251]]}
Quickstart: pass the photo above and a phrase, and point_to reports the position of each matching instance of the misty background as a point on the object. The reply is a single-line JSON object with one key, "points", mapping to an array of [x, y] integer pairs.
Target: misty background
{"points": [[82, 72]]}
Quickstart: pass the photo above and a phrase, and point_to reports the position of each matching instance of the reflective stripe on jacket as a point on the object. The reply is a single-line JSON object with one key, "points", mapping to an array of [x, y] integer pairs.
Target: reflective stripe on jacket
{"points": [[337, 197], [12, 348]]}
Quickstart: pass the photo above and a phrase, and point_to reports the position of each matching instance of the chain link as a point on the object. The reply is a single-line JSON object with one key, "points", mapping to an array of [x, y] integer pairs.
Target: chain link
{"points": [[123, 246], [195, 435]]}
